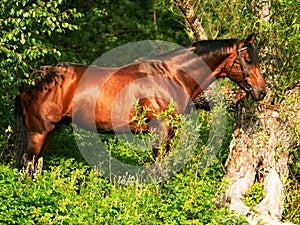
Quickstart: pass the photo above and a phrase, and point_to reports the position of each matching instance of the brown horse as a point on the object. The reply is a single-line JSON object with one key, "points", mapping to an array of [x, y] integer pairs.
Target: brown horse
{"points": [[100, 99]]}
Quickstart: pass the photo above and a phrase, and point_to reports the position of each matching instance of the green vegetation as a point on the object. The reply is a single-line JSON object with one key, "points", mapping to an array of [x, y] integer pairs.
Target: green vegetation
{"points": [[68, 191], [255, 195]]}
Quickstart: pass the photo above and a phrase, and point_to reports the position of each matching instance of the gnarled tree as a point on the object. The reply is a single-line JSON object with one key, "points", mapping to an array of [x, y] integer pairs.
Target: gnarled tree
{"points": [[264, 134]]}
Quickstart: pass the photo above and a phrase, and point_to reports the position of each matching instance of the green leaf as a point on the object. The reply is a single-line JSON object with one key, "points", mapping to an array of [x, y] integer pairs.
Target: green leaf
{"points": [[10, 36], [22, 40]]}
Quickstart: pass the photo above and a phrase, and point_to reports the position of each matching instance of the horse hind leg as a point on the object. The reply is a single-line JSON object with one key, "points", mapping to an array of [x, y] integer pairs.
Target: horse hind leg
{"points": [[30, 157], [161, 150], [47, 142]]}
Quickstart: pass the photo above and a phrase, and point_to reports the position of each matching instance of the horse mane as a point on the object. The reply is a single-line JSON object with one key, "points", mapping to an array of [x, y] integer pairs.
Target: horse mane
{"points": [[212, 46], [205, 47], [217, 46]]}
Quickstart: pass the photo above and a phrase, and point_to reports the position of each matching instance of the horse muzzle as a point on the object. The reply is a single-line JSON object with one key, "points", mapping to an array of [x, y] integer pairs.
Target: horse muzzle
{"points": [[258, 94]]}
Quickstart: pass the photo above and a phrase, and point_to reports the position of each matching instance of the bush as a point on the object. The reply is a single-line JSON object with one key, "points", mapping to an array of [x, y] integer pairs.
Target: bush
{"points": [[72, 194]]}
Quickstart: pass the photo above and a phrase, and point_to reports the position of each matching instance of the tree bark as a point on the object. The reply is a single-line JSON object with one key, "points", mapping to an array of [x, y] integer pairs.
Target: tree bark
{"points": [[260, 151]]}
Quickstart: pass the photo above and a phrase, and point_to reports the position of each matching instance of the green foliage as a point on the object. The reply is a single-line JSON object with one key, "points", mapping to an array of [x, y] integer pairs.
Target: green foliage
{"points": [[286, 36], [254, 195], [292, 201], [169, 116], [70, 193], [25, 43], [280, 35], [292, 190], [140, 117], [25, 31], [107, 24]]}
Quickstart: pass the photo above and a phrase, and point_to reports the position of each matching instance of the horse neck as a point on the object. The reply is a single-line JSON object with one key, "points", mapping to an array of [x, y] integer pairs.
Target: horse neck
{"points": [[204, 66], [216, 61], [218, 53]]}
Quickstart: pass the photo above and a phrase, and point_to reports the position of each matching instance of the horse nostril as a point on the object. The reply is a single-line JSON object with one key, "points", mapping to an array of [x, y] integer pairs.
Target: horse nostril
{"points": [[262, 94]]}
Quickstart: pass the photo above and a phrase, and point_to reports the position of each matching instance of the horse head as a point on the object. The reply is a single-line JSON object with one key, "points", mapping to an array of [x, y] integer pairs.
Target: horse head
{"points": [[242, 68]]}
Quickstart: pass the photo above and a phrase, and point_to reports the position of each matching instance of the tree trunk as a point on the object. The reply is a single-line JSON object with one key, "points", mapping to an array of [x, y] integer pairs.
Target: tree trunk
{"points": [[188, 10], [260, 150]]}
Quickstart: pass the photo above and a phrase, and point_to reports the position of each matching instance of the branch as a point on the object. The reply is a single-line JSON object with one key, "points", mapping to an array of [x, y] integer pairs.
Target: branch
{"points": [[188, 10]]}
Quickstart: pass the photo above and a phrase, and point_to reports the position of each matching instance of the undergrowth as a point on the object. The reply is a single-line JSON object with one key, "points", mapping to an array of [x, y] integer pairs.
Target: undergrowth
{"points": [[69, 191], [72, 193]]}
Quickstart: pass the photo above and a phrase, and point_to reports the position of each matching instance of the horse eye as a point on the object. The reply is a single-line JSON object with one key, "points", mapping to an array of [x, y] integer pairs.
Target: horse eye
{"points": [[249, 61]]}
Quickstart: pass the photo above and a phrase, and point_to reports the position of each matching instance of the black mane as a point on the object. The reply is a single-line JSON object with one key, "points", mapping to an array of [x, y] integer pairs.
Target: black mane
{"points": [[216, 46], [205, 47], [209, 46]]}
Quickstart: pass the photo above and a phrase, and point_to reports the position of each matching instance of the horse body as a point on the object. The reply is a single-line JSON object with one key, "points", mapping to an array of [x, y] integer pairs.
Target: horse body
{"points": [[101, 99]]}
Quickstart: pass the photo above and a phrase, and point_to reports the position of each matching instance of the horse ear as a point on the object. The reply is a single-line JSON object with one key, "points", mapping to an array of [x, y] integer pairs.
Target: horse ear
{"points": [[191, 48], [250, 39]]}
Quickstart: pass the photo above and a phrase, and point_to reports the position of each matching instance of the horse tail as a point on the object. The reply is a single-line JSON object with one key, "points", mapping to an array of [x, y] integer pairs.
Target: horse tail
{"points": [[20, 133]]}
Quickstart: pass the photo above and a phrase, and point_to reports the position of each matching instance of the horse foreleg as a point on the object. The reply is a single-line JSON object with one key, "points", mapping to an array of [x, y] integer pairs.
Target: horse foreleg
{"points": [[161, 146]]}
